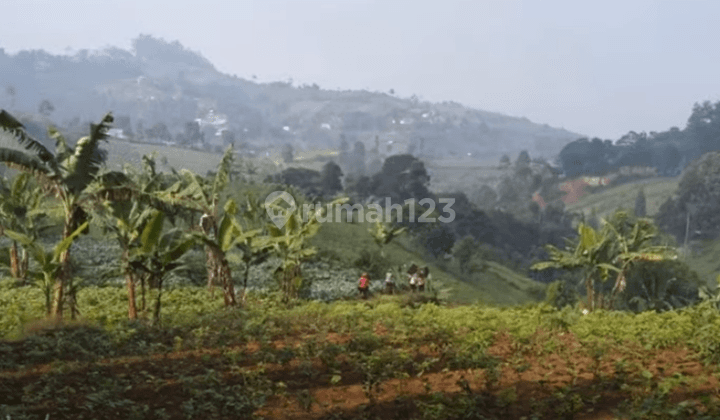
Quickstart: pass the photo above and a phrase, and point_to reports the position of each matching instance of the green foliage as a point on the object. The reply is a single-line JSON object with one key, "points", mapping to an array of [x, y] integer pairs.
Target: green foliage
{"points": [[372, 262], [621, 242], [290, 244], [560, 294], [68, 174], [463, 252], [694, 207], [49, 263]]}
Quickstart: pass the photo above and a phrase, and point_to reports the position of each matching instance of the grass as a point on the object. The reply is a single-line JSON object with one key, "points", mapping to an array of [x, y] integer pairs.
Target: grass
{"points": [[200, 162], [607, 200], [705, 261], [494, 285]]}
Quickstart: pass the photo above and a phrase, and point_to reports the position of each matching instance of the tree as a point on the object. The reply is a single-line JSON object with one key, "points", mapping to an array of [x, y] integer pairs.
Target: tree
{"points": [[384, 233], [703, 126], [49, 263], [463, 251], [619, 244], [402, 177], [158, 254], [694, 211], [287, 153], [218, 230], [67, 174], [330, 176], [505, 161], [523, 160], [290, 244], [11, 92], [22, 210], [357, 159], [126, 219], [640, 204], [159, 131], [46, 108], [438, 240]]}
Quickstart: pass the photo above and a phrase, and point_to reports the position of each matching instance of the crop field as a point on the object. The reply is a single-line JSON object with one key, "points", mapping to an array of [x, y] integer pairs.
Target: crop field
{"points": [[607, 200], [385, 358], [200, 162]]}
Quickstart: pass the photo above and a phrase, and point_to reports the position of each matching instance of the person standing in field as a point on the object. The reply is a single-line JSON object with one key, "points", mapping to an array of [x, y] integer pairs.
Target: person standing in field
{"points": [[364, 285], [420, 280], [389, 283]]}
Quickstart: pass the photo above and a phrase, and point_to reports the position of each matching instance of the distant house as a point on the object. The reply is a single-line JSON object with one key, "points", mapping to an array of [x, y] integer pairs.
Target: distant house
{"points": [[117, 133]]}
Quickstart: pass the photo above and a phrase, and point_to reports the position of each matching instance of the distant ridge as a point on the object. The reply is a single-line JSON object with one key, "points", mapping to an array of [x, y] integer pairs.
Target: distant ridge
{"points": [[163, 82]]}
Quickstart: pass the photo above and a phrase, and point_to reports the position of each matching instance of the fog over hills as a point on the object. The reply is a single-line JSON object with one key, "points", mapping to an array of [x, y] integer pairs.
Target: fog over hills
{"points": [[163, 82]]}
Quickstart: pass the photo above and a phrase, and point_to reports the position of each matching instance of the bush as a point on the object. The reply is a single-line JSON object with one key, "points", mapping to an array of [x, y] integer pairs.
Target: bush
{"points": [[373, 263]]}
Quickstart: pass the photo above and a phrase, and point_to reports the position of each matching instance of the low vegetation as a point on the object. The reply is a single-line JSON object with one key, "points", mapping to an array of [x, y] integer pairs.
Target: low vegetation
{"points": [[483, 341]]}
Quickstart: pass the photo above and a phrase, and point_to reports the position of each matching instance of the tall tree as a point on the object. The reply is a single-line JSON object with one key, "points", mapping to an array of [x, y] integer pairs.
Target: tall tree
{"points": [[330, 182]]}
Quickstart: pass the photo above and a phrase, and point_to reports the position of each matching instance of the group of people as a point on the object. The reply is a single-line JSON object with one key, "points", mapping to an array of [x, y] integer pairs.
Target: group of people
{"points": [[416, 278]]}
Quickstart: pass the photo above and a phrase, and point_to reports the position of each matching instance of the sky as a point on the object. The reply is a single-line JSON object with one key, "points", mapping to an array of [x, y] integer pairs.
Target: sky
{"points": [[598, 68]]}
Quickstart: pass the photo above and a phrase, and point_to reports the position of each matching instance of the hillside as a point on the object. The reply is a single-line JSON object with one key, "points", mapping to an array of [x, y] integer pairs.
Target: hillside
{"points": [[608, 199], [495, 285], [160, 87]]}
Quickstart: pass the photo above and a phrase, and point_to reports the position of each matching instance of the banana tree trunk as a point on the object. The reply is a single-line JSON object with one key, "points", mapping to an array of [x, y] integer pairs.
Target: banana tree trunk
{"points": [[14, 261], [60, 279], [227, 282], [590, 293], [142, 290], [24, 264], [156, 316], [212, 269], [130, 283], [245, 280]]}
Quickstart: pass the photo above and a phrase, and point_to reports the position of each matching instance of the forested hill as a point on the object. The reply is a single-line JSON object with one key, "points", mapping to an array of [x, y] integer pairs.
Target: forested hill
{"points": [[159, 87]]}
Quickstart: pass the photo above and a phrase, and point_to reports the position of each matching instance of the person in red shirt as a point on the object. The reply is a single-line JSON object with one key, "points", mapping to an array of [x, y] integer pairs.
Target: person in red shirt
{"points": [[364, 285]]}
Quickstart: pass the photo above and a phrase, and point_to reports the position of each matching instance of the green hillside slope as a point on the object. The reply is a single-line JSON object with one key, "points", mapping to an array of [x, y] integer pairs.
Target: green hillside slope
{"points": [[495, 284], [607, 200]]}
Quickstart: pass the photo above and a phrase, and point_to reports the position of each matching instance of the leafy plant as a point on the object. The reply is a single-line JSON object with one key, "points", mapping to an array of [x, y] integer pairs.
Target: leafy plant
{"points": [[614, 248], [50, 263], [66, 174], [159, 254], [290, 244]]}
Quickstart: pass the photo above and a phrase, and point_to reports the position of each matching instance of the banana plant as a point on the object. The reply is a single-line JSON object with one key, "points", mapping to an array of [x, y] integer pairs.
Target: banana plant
{"points": [[22, 210], [229, 234], [383, 234], [290, 244], [125, 220], [218, 232], [612, 249], [65, 174], [159, 254], [49, 263]]}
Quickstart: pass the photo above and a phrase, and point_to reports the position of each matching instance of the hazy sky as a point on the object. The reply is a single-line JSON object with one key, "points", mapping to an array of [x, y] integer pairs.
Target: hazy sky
{"points": [[600, 69]]}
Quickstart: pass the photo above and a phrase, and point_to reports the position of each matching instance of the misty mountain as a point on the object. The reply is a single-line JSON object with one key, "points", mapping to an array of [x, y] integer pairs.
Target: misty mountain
{"points": [[160, 87]]}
